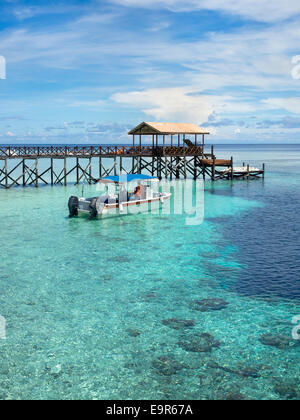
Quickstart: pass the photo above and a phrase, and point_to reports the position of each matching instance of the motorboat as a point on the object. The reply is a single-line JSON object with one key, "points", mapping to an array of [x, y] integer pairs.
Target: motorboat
{"points": [[122, 195]]}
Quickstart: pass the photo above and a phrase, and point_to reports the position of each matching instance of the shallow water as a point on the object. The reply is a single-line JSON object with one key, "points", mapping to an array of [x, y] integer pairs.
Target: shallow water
{"points": [[84, 300]]}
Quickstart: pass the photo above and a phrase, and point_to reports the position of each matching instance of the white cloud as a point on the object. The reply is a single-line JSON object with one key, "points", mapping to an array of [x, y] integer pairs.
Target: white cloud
{"points": [[258, 58], [289, 104], [173, 104], [260, 10], [180, 104], [295, 72]]}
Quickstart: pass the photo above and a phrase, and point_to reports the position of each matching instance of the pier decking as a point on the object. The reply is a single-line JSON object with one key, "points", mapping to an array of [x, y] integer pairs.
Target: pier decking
{"points": [[178, 159]]}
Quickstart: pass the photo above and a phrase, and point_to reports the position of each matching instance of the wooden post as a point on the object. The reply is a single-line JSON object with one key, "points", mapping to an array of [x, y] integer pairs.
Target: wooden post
{"points": [[6, 173], [65, 171], [51, 169], [214, 167], [166, 167], [232, 168], [133, 152], [177, 168], [36, 173], [140, 158], [24, 172], [243, 170], [115, 165], [248, 171], [263, 168], [152, 173], [77, 170], [159, 158]]}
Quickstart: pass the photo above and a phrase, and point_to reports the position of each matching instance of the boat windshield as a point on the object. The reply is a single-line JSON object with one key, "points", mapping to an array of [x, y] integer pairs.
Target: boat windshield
{"points": [[139, 190]]}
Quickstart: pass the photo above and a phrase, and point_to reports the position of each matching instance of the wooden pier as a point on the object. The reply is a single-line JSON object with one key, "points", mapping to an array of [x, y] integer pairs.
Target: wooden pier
{"points": [[180, 157]]}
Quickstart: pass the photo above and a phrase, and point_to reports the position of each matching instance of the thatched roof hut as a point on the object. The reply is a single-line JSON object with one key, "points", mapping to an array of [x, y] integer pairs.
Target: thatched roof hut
{"points": [[148, 128], [157, 129]]}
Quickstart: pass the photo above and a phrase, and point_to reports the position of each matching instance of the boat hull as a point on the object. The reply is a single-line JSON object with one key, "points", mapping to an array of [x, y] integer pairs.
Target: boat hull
{"points": [[128, 208]]}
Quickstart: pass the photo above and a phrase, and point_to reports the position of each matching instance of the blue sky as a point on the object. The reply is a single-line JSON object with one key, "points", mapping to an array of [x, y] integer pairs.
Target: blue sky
{"points": [[88, 71]]}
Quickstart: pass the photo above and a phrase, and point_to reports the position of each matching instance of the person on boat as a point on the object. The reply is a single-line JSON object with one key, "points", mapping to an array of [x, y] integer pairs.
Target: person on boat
{"points": [[138, 192]]}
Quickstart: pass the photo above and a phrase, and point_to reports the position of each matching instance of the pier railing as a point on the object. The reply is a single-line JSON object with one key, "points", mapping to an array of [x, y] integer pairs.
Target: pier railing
{"points": [[94, 151]]}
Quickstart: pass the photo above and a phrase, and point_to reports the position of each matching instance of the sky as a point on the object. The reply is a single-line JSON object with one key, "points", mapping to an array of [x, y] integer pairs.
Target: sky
{"points": [[87, 71]]}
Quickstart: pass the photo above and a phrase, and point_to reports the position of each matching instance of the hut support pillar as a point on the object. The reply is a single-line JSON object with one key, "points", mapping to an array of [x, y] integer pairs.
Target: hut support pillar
{"points": [[177, 168], [153, 167]]}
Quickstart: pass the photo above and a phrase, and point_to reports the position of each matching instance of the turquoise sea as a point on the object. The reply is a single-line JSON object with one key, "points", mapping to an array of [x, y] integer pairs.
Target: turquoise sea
{"points": [[148, 307]]}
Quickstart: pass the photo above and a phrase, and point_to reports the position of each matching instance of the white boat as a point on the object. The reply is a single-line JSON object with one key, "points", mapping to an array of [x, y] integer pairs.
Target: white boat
{"points": [[120, 198]]}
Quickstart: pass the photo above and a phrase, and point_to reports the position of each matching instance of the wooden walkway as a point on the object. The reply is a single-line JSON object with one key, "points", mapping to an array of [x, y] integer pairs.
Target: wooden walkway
{"points": [[19, 166], [99, 151]]}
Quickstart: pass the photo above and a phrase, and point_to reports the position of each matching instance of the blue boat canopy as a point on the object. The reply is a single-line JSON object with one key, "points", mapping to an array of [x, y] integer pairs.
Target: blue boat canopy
{"points": [[123, 179]]}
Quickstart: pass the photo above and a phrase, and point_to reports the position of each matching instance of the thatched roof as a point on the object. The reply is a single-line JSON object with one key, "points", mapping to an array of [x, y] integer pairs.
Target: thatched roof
{"points": [[167, 128]]}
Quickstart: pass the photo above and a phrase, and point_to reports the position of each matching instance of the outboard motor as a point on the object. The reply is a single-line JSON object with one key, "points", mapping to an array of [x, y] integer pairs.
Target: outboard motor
{"points": [[96, 207], [73, 206], [93, 208]]}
